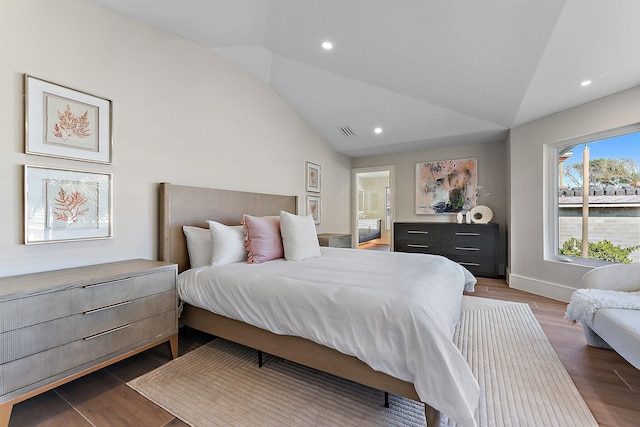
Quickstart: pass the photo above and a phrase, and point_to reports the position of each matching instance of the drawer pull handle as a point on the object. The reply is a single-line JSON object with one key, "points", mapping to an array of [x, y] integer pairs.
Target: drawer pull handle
{"points": [[90, 337], [93, 285], [466, 249], [417, 232], [413, 245], [107, 307], [473, 264], [467, 234]]}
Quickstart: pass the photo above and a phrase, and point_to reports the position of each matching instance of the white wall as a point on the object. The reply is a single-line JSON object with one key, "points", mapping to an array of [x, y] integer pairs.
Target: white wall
{"points": [[181, 114], [492, 166], [528, 268]]}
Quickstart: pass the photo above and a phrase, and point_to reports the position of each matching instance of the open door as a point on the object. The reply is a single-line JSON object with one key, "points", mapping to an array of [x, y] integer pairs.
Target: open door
{"points": [[372, 219]]}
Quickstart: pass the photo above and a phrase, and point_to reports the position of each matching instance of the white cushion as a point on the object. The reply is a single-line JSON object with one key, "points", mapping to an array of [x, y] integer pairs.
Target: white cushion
{"points": [[227, 243], [299, 237], [198, 245], [620, 328]]}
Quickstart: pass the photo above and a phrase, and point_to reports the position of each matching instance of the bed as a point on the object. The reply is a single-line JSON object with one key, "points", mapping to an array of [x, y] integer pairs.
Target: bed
{"points": [[180, 205]]}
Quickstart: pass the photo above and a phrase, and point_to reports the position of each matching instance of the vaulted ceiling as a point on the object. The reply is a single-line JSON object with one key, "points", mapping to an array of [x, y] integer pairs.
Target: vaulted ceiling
{"points": [[427, 72]]}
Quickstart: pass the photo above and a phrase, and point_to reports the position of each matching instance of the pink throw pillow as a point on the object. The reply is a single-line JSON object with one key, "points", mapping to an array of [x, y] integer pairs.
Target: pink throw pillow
{"points": [[263, 239]]}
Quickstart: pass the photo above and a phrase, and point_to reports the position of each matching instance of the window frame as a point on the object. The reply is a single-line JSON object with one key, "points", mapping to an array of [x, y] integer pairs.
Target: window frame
{"points": [[551, 174]]}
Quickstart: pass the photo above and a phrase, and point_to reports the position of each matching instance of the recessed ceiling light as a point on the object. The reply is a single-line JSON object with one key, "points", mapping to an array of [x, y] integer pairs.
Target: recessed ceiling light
{"points": [[585, 83], [378, 130], [327, 45]]}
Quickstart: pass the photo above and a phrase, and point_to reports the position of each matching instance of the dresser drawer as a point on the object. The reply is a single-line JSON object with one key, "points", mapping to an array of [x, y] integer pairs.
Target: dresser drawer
{"points": [[473, 246], [469, 232], [64, 360], [478, 265], [469, 247], [417, 230], [417, 237], [34, 309], [32, 339], [91, 297], [424, 247], [31, 310]]}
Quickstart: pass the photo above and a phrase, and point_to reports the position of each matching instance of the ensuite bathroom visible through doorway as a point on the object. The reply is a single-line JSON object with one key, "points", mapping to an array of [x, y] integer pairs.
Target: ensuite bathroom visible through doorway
{"points": [[373, 208]]}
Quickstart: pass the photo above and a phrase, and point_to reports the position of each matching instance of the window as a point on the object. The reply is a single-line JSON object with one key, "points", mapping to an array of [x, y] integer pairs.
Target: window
{"points": [[595, 211]]}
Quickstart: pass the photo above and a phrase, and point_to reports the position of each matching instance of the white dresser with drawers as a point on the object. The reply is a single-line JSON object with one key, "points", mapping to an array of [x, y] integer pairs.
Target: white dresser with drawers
{"points": [[58, 325]]}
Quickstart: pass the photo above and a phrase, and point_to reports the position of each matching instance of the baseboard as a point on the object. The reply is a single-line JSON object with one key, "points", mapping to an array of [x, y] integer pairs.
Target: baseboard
{"points": [[540, 287]]}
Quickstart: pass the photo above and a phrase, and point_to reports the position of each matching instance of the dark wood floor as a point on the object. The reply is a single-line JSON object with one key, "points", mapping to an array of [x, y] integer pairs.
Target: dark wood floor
{"points": [[609, 385]]}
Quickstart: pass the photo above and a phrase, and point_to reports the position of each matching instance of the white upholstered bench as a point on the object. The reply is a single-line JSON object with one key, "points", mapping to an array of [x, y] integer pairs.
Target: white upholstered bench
{"points": [[615, 328]]}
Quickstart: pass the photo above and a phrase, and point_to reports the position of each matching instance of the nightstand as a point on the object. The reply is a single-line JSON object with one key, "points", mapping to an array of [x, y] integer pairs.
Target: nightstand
{"points": [[335, 240]]}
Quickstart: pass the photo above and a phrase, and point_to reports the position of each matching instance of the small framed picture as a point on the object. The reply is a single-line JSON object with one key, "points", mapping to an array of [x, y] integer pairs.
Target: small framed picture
{"points": [[313, 208], [67, 123], [66, 205], [313, 177]]}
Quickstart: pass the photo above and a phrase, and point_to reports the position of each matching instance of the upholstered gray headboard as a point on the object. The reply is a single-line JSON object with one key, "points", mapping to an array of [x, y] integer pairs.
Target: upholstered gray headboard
{"points": [[182, 205]]}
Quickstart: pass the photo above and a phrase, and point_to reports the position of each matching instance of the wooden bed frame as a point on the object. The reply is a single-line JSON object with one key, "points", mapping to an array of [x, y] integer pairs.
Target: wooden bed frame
{"points": [[181, 205]]}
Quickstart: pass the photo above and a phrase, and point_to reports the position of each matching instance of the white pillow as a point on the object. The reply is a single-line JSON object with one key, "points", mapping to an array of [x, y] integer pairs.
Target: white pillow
{"points": [[227, 243], [299, 237], [198, 245]]}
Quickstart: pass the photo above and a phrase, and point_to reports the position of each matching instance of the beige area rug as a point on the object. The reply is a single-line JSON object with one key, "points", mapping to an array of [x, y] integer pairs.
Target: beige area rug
{"points": [[522, 380]]}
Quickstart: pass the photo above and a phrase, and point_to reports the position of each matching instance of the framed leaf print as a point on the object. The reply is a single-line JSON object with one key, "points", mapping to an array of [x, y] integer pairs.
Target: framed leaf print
{"points": [[313, 208], [67, 123], [66, 205], [313, 177]]}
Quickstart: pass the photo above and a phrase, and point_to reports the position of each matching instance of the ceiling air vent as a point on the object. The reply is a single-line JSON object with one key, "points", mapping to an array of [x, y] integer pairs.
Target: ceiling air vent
{"points": [[347, 131]]}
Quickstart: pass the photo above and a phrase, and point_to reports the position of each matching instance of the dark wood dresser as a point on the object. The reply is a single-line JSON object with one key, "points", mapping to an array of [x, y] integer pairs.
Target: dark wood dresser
{"points": [[475, 246]]}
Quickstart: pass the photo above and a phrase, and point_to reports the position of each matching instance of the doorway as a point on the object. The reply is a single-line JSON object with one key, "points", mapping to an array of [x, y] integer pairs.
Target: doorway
{"points": [[373, 212]]}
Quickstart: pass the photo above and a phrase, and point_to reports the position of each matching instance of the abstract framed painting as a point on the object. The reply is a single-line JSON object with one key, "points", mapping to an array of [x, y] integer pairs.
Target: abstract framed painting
{"points": [[314, 205], [313, 177], [66, 205], [67, 123], [446, 186]]}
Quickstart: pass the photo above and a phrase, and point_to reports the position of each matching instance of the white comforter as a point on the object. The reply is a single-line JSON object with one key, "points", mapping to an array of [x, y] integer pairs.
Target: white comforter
{"points": [[395, 311]]}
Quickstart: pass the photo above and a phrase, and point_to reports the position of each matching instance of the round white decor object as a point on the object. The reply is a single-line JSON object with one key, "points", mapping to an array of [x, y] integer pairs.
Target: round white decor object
{"points": [[481, 214], [460, 217]]}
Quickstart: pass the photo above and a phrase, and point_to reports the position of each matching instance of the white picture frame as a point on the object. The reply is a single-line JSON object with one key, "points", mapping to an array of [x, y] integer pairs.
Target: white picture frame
{"points": [[66, 205], [313, 177], [314, 208], [66, 123]]}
